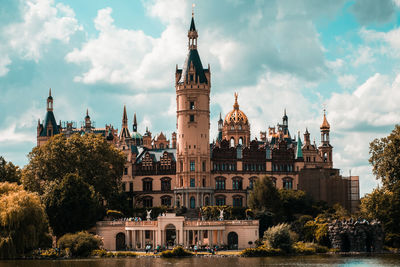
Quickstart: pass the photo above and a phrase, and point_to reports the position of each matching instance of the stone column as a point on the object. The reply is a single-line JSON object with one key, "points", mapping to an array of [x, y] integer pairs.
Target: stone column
{"points": [[197, 200], [210, 237]]}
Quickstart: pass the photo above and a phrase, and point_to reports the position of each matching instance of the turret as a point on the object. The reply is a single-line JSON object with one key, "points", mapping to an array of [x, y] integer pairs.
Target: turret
{"points": [[50, 102]]}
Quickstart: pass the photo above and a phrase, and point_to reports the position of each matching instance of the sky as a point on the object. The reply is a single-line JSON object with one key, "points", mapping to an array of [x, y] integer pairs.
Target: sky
{"points": [[302, 55]]}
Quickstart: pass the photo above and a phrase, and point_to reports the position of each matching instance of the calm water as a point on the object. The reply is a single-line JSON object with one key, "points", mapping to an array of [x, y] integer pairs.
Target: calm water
{"points": [[215, 262]]}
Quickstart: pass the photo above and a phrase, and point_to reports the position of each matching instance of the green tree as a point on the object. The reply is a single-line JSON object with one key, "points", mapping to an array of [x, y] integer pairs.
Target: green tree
{"points": [[99, 163], [71, 205], [385, 158], [264, 196], [9, 172], [295, 202], [23, 221]]}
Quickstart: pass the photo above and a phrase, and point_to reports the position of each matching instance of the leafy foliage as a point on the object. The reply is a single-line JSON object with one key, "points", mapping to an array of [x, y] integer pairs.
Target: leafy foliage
{"points": [[176, 252], [385, 158], [71, 205], [261, 252], [279, 236], [79, 244], [23, 222], [89, 156], [308, 248], [9, 172], [264, 196], [230, 213]]}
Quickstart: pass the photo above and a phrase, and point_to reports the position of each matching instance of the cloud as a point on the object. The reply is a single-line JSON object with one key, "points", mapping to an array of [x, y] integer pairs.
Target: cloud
{"points": [[121, 56], [4, 62], [372, 11], [363, 56], [347, 81], [391, 38], [43, 22], [12, 135]]}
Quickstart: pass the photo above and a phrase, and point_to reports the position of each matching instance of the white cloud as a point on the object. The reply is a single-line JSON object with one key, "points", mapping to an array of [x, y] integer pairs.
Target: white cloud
{"points": [[391, 38], [43, 22], [121, 56], [364, 55], [347, 80], [12, 135], [4, 62]]}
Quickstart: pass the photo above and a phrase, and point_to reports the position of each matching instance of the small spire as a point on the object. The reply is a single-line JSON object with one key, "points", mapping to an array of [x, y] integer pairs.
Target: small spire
{"points": [[134, 119], [193, 5], [220, 116], [285, 112], [124, 116], [50, 92], [236, 105]]}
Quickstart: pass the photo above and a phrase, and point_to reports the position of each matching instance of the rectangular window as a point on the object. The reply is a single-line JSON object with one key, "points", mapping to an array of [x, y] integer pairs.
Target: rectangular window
{"points": [[192, 105], [191, 118], [147, 234], [130, 187], [204, 182], [125, 171], [192, 166], [123, 187], [192, 182], [204, 166]]}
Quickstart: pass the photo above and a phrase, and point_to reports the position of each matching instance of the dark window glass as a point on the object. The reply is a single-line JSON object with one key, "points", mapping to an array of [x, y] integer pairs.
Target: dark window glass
{"points": [[191, 118]]}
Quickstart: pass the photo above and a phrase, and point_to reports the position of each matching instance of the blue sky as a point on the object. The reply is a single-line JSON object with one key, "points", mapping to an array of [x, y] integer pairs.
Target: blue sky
{"points": [[300, 55]]}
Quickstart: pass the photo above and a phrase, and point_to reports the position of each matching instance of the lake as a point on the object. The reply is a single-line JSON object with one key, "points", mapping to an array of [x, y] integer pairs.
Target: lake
{"points": [[385, 260]]}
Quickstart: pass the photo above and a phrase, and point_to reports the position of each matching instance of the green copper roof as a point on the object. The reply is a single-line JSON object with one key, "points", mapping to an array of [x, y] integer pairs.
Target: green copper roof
{"points": [[50, 120], [136, 135], [299, 153]]}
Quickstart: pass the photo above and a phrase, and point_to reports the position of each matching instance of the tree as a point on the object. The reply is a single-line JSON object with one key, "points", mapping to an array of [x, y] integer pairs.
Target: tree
{"points": [[384, 205], [99, 163], [9, 172], [385, 158], [264, 196], [23, 221], [295, 202], [71, 205]]}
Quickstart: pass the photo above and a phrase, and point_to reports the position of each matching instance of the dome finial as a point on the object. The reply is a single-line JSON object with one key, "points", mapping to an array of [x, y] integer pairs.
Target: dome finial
{"points": [[236, 105]]}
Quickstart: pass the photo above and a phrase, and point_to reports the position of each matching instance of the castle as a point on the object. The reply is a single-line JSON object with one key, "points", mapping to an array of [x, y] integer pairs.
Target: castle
{"points": [[191, 171]]}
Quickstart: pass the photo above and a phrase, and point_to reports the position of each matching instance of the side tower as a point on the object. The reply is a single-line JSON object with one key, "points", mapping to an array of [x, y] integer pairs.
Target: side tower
{"points": [[49, 126], [325, 149], [193, 83]]}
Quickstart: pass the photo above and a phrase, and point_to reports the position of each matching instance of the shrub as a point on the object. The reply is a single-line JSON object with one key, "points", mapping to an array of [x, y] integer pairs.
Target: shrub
{"points": [[99, 252], [279, 236], [115, 214], [308, 248], [80, 244], [261, 252], [124, 254], [176, 252]]}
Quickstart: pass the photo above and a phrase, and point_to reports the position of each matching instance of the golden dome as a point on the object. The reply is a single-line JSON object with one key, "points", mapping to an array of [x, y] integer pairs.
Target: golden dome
{"points": [[236, 116], [325, 123]]}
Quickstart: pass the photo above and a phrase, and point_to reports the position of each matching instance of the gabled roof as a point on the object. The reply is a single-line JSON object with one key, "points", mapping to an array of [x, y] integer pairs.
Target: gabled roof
{"points": [[193, 58], [156, 154], [50, 120]]}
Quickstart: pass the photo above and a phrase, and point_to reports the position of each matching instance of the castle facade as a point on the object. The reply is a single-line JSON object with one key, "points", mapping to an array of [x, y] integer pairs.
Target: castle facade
{"points": [[191, 171]]}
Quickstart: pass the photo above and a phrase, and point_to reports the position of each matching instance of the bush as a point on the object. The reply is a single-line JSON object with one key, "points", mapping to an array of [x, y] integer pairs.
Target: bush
{"points": [[261, 252], [176, 253], [279, 236], [79, 244], [309, 248], [115, 214], [124, 254], [99, 252]]}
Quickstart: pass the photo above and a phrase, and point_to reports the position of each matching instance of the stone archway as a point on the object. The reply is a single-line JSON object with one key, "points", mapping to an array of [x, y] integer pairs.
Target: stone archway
{"points": [[170, 235], [120, 241], [233, 240]]}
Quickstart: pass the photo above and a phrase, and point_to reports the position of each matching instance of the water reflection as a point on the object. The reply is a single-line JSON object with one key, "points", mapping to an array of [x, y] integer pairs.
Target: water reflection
{"points": [[387, 260]]}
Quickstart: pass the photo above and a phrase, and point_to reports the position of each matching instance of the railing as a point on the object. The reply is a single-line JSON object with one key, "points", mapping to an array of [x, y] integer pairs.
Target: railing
{"points": [[221, 223], [111, 223], [142, 223]]}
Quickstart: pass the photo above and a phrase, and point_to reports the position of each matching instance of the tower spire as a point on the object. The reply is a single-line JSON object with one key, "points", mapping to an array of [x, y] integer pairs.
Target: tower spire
{"points": [[192, 34], [50, 102], [124, 118], [134, 123]]}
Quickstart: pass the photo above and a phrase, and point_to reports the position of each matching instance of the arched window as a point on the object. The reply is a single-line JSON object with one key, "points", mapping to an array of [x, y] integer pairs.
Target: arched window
{"points": [[220, 183], [237, 183], [147, 184], [288, 183], [232, 142], [241, 141], [147, 202], [166, 201], [325, 157], [252, 181], [237, 201], [165, 184]]}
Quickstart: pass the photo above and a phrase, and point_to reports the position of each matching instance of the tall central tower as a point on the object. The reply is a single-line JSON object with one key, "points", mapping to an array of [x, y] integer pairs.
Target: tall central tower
{"points": [[193, 83]]}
